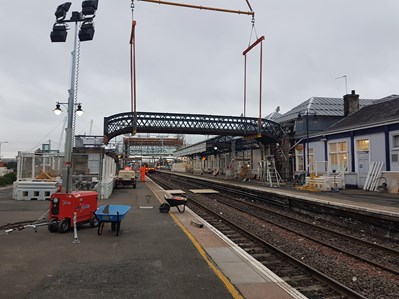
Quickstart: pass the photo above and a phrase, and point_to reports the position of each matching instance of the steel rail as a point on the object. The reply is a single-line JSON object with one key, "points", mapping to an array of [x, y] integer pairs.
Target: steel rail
{"points": [[354, 255], [334, 284], [336, 233]]}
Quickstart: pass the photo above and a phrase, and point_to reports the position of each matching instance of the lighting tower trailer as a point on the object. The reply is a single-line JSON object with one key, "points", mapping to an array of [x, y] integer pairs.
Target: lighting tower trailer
{"points": [[63, 206]]}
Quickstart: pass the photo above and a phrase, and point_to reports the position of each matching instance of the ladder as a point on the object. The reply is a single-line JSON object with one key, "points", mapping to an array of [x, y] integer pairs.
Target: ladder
{"points": [[272, 175]]}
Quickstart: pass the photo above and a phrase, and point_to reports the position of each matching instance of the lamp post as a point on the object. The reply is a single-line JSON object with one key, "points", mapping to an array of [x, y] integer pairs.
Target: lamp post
{"points": [[59, 34], [1, 142], [78, 111], [307, 155]]}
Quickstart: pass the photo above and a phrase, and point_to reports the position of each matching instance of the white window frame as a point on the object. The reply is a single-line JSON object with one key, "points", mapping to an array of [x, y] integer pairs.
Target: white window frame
{"points": [[358, 149], [299, 159], [395, 142], [339, 167]]}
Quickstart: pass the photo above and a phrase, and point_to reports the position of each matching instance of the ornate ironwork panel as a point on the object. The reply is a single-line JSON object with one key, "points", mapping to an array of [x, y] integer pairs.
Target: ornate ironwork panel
{"points": [[200, 124]]}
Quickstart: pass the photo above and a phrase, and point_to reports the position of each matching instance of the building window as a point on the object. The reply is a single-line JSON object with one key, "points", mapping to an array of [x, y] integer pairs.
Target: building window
{"points": [[362, 145], [396, 141], [299, 158], [338, 156], [311, 159]]}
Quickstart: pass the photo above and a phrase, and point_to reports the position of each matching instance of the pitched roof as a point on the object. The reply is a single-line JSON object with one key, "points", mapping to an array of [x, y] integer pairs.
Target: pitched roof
{"points": [[273, 116], [321, 106], [382, 111]]}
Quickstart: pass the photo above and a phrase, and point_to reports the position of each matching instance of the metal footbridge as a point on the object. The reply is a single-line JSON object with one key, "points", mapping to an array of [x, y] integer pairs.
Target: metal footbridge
{"points": [[173, 123]]}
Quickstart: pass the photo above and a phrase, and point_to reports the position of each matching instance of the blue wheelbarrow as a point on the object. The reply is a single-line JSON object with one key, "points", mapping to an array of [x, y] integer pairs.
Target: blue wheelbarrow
{"points": [[113, 214]]}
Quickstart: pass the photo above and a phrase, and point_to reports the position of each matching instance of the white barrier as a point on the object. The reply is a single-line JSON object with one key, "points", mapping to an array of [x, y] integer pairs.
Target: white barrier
{"points": [[33, 190], [106, 188]]}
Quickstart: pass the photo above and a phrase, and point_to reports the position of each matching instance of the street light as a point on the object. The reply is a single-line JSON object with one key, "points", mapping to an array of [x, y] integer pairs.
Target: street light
{"points": [[1, 142], [57, 110], [59, 34]]}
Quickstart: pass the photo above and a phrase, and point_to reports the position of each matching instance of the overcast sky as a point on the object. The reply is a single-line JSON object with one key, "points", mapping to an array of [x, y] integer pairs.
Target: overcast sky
{"points": [[189, 61]]}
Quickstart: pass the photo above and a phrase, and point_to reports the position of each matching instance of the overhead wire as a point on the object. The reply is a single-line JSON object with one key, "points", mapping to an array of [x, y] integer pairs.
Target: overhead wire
{"points": [[45, 137]]}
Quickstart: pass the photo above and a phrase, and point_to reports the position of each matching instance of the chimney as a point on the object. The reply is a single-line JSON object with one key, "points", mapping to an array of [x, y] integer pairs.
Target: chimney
{"points": [[351, 103]]}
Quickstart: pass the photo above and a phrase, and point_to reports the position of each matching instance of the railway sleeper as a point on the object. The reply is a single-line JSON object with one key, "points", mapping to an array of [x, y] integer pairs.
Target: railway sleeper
{"points": [[227, 231], [263, 257], [295, 278], [313, 288], [234, 237], [254, 251], [287, 270], [245, 244], [270, 261], [240, 239]]}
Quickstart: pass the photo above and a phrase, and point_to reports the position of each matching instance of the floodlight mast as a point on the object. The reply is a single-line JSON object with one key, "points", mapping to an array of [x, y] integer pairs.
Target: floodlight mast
{"points": [[67, 178], [59, 34]]}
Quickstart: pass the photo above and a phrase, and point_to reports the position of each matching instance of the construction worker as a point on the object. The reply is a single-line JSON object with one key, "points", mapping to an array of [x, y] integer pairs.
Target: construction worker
{"points": [[142, 173]]}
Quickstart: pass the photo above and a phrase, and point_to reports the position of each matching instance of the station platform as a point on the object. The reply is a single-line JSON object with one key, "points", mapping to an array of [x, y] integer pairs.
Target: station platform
{"points": [[155, 256], [358, 199]]}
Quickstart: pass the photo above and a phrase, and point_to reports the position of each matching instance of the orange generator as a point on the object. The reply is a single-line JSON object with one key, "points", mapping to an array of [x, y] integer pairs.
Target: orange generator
{"points": [[64, 205]]}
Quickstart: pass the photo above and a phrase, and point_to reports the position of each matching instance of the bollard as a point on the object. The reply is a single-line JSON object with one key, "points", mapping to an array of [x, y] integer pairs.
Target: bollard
{"points": [[75, 230]]}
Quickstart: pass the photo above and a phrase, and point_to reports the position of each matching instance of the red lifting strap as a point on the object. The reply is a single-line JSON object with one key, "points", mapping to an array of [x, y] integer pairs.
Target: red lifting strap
{"points": [[132, 32], [133, 76], [258, 41]]}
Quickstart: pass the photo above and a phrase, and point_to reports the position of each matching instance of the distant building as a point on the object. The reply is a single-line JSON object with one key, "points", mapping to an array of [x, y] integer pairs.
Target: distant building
{"points": [[3, 169]]}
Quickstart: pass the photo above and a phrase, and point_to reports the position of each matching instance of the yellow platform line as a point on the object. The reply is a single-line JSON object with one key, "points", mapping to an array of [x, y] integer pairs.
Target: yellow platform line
{"points": [[230, 287]]}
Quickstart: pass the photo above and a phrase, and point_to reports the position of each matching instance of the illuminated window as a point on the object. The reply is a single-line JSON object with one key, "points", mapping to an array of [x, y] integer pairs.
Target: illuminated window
{"points": [[338, 156], [362, 145]]}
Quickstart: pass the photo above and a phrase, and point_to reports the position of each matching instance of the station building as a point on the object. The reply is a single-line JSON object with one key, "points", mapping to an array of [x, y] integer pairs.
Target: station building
{"points": [[341, 138]]}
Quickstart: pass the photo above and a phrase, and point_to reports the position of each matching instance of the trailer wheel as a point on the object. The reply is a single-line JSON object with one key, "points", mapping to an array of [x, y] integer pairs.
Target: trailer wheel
{"points": [[93, 221], [63, 226], [52, 225]]}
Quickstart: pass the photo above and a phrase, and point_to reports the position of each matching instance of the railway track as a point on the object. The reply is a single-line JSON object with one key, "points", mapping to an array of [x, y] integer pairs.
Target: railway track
{"points": [[347, 220], [380, 230], [360, 249], [307, 279]]}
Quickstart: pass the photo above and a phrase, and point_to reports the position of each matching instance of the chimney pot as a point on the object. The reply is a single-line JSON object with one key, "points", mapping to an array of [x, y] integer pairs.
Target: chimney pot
{"points": [[351, 103]]}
